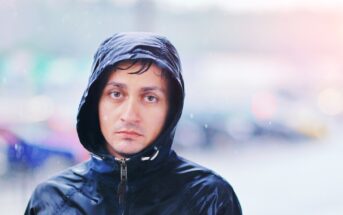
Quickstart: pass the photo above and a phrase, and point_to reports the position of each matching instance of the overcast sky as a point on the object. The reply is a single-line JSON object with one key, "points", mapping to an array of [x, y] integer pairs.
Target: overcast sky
{"points": [[261, 4]]}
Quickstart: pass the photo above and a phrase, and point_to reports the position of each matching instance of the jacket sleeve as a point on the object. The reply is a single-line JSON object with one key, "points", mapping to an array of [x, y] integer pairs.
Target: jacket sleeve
{"points": [[30, 210], [232, 205], [46, 199], [214, 196]]}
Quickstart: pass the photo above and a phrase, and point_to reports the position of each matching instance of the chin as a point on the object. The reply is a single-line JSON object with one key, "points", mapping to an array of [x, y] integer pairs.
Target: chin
{"points": [[128, 149]]}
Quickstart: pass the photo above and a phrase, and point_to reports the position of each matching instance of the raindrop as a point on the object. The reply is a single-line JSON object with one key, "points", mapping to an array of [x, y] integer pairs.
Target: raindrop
{"points": [[270, 123], [191, 116], [206, 126]]}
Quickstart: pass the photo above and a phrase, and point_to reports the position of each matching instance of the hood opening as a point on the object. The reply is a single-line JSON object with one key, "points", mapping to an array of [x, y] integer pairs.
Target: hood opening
{"points": [[106, 59]]}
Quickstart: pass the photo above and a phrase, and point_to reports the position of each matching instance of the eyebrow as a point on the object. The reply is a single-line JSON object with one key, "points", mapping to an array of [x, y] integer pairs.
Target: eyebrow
{"points": [[144, 89], [147, 89], [116, 84]]}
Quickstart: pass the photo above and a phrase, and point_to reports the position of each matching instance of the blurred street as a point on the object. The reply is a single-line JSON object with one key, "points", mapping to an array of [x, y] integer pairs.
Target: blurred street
{"points": [[263, 82], [269, 177], [283, 179]]}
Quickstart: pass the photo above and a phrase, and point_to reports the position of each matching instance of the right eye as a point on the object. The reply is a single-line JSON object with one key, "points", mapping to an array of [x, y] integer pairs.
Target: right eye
{"points": [[116, 94]]}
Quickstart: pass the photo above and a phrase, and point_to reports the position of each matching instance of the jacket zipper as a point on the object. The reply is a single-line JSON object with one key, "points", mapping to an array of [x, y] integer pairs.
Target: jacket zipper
{"points": [[122, 186]]}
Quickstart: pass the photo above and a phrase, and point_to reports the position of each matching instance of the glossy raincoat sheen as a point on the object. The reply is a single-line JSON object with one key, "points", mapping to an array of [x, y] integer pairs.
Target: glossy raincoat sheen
{"points": [[153, 181]]}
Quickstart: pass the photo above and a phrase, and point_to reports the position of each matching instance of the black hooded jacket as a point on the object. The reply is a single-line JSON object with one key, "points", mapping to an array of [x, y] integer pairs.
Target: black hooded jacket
{"points": [[153, 181]]}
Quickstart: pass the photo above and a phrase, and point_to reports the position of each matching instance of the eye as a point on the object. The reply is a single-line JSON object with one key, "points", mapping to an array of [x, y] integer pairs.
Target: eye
{"points": [[116, 94], [151, 99]]}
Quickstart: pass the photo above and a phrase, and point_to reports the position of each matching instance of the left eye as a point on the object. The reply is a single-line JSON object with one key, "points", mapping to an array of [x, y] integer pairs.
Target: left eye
{"points": [[151, 98]]}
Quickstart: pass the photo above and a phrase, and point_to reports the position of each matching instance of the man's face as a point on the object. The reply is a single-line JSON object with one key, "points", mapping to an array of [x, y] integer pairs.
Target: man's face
{"points": [[133, 109]]}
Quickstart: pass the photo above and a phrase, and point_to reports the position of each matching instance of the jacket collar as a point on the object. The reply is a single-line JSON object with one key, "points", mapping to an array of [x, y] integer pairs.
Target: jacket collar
{"points": [[137, 166]]}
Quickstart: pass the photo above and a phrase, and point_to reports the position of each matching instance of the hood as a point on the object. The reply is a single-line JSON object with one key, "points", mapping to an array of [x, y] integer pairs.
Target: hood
{"points": [[130, 46]]}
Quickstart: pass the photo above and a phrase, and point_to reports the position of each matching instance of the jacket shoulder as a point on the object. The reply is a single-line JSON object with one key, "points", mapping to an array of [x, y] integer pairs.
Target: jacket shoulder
{"points": [[202, 175], [51, 196], [207, 191]]}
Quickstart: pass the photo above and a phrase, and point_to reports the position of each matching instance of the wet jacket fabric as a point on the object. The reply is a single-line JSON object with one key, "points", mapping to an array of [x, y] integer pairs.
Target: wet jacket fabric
{"points": [[153, 181]]}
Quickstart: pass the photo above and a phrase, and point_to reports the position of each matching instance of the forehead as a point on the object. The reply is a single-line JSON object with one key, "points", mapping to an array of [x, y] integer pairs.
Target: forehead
{"points": [[125, 74]]}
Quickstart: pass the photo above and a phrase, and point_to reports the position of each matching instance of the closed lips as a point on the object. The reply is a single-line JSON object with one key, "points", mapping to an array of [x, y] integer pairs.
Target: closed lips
{"points": [[129, 133]]}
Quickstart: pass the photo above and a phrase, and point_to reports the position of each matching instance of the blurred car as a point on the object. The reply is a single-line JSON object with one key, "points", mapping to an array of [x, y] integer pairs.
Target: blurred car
{"points": [[19, 154], [204, 130], [201, 130]]}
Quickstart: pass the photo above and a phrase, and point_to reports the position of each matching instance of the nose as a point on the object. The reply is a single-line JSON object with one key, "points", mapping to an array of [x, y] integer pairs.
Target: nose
{"points": [[130, 112]]}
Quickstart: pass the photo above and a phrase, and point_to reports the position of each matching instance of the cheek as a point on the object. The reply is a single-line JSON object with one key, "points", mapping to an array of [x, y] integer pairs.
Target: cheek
{"points": [[104, 117], [104, 113], [157, 119]]}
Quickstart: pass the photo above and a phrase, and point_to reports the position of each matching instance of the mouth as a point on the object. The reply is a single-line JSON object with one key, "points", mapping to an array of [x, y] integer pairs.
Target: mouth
{"points": [[128, 133]]}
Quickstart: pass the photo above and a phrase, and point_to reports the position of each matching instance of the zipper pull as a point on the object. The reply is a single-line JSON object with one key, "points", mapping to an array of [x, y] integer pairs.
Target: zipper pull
{"points": [[123, 181], [123, 170]]}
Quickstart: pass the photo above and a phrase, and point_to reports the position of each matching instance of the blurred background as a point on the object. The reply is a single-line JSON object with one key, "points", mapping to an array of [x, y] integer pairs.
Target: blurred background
{"points": [[264, 92]]}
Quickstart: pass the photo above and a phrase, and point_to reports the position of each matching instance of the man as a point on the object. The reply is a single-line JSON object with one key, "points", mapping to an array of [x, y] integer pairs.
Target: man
{"points": [[127, 119]]}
